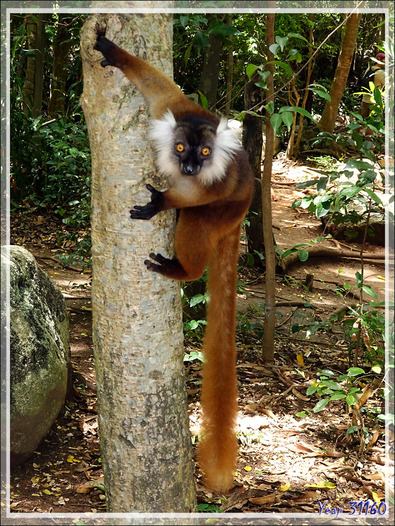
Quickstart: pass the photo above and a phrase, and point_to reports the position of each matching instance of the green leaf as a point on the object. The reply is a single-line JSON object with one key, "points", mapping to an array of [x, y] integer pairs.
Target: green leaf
{"points": [[297, 35], [378, 99], [338, 395], [203, 99], [369, 291], [184, 20], [250, 70], [321, 93], [374, 196], [223, 30], [273, 48], [301, 414], [355, 371], [327, 372], [352, 429], [303, 255], [201, 40], [288, 119], [333, 385], [322, 209], [311, 390], [351, 399], [264, 75], [322, 182], [276, 121], [281, 41], [196, 300], [350, 191], [306, 201], [359, 277], [306, 184], [283, 65], [319, 406], [287, 253], [302, 111]]}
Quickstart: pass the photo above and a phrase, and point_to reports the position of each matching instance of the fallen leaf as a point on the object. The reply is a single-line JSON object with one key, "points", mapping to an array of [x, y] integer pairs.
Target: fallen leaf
{"points": [[299, 448], [324, 484], [299, 357], [266, 499]]}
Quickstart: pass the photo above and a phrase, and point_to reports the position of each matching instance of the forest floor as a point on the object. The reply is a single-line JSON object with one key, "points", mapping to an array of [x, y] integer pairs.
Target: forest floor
{"points": [[291, 459]]}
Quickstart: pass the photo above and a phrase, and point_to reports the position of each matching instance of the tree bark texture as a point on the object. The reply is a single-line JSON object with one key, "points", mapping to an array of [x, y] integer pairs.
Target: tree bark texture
{"points": [[210, 71], [61, 48], [252, 143], [229, 72], [32, 90], [270, 276], [137, 320], [329, 115]]}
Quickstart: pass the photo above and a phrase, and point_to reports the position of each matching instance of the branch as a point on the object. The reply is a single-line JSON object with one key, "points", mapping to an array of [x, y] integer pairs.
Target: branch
{"points": [[293, 259]]}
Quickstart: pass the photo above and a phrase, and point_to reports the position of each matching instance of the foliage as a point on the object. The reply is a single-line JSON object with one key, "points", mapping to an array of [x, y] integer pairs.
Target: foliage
{"points": [[193, 313], [330, 388], [352, 388], [369, 319], [50, 158]]}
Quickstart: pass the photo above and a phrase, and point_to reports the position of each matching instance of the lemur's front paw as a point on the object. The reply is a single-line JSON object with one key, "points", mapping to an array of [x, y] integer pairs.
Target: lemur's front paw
{"points": [[105, 47], [153, 266], [150, 209]]}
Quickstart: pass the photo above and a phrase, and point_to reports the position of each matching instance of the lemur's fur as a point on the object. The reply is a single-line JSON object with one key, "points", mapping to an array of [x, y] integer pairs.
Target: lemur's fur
{"points": [[211, 183]]}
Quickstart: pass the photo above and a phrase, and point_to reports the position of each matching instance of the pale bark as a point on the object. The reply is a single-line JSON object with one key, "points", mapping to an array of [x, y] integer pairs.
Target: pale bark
{"points": [[137, 321]]}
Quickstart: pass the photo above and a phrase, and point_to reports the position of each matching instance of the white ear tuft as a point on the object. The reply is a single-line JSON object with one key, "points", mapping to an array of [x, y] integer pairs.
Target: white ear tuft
{"points": [[161, 133], [225, 147], [226, 139], [161, 129]]}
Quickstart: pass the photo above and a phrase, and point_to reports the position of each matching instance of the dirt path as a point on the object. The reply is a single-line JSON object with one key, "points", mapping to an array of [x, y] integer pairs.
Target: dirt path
{"points": [[288, 462]]}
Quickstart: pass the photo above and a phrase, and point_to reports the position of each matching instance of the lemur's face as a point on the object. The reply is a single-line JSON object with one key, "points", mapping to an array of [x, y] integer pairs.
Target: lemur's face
{"points": [[193, 146]]}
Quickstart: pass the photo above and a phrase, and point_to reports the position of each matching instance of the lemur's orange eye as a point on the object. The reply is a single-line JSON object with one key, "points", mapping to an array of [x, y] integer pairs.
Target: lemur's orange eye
{"points": [[180, 147], [206, 151]]}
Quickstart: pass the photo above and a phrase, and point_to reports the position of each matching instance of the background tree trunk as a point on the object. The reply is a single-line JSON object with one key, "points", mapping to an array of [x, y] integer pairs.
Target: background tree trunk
{"points": [[270, 276], [32, 90], [137, 322], [211, 67], [229, 72], [329, 115], [61, 48], [252, 142]]}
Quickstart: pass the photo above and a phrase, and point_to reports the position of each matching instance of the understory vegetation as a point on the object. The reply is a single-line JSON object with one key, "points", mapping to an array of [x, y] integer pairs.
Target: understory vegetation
{"points": [[350, 194]]}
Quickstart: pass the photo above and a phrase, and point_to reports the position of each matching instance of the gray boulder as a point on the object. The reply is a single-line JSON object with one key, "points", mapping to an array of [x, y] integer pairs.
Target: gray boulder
{"points": [[40, 366]]}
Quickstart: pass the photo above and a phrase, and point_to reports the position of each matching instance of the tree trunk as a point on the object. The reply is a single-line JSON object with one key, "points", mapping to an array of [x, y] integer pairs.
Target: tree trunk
{"points": [[61, 48], [329, 115], [137, 320], [32, 90], [210, 71], [270, 276], [309, 71], [252, 143], [229, 73]]}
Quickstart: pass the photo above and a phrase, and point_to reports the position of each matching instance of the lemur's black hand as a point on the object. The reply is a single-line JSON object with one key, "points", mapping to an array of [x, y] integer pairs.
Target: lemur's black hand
{"points": [[159, 259], [150, 209], [106, 47]]}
